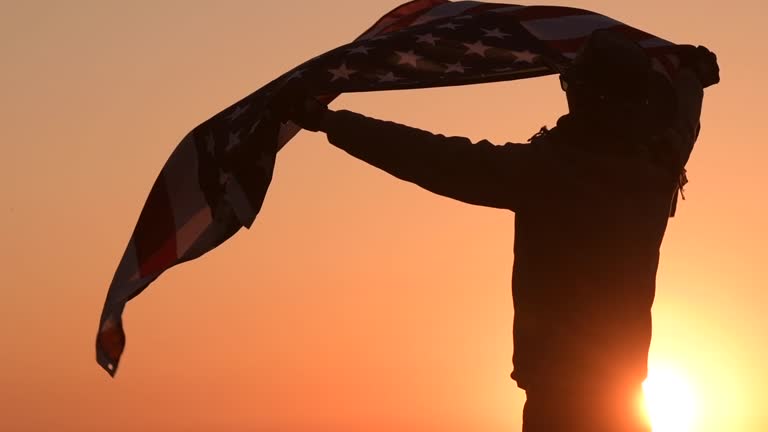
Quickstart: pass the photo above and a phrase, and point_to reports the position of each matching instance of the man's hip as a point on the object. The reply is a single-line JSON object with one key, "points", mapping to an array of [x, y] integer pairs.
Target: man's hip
{"points": [[599, 406]]}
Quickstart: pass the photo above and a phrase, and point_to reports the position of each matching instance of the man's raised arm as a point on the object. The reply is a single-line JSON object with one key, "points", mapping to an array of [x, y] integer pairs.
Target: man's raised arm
{"points": [[482, 173]]}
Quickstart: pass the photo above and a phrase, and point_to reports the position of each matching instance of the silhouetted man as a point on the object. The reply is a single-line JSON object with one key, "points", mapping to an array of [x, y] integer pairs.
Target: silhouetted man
{"points": [[591, 196]]}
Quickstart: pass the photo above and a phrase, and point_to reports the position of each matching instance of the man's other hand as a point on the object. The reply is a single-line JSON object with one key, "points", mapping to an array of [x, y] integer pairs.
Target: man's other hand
{"points": [[293, 102], [701, 61]]}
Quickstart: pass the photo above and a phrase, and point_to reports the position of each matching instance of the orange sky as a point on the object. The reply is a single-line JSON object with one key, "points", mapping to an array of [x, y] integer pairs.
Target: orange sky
{"points": [[356, 301]]}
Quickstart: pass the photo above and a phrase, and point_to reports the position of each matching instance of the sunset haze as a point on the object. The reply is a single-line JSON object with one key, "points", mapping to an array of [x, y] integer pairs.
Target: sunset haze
{"points": [[356, 302]]}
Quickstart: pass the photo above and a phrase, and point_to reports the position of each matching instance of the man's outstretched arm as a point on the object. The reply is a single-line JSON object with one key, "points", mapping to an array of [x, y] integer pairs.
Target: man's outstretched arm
{"points": [[482, 173]]}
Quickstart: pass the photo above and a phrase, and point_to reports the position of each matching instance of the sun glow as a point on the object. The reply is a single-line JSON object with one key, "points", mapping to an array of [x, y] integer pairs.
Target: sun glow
{"points": [[670, 401]]}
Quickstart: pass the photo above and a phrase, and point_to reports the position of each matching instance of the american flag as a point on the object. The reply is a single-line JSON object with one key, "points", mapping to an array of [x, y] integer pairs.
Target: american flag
{"points": [[215, 181]]}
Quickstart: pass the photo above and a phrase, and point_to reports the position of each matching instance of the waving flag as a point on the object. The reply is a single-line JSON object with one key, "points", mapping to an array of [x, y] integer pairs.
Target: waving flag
{"points": [[216, 179]]}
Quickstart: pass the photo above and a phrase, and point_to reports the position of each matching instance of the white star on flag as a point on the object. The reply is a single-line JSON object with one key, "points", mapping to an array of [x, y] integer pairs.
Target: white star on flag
{"points": [[426, 18], [359, 50], [408, 58], [254, 126], [210, 143], [388, 77], [239, 110], [476, 48], [449, 25], [455, 67], [525, 56], [341, 72], [298, 74], [234, 139], [427, 38], [495, 33]]}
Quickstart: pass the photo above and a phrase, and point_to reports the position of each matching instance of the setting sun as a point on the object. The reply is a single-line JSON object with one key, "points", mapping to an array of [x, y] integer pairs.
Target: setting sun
{"points": [[670, 400]]}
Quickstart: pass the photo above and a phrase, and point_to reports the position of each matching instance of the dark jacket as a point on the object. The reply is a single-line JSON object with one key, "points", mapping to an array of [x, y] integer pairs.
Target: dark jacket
{"points": [[588, 227]]}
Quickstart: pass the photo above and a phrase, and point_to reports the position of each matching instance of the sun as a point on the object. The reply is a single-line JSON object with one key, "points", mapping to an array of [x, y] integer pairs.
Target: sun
{"points": [[670, 401]]}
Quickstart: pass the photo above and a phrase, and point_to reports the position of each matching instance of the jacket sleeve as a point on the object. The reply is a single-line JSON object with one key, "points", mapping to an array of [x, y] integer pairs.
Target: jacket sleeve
{"points": [[483, 173]]}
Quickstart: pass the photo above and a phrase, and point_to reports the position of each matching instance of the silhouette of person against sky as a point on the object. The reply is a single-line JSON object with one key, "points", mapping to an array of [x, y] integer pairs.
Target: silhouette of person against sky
{"points": [[591, 197]]}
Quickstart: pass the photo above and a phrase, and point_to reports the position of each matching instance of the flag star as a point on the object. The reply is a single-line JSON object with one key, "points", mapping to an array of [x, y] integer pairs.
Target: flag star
{"points": [[456, 67], [427, 38], [388, 77], [426, 18], [297, 74], [239, 110], [210, 143], [359, 50], [476, 48], [408, 58], [341, 72], [234, 139], [450, 25], [525, 56], [495, 33]]}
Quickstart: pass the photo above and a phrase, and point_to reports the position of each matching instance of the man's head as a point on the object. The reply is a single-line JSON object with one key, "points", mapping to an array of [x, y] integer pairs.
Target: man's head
{"points": [[610, 72]]}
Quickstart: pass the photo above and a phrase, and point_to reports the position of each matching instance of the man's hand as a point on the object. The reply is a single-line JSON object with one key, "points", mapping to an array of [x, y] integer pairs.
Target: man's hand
{"points": [[293, 102], [702, 62]]}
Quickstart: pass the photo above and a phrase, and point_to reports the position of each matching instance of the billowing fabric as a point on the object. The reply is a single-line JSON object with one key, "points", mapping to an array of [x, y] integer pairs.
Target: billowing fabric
{"points": [[215, 181]]}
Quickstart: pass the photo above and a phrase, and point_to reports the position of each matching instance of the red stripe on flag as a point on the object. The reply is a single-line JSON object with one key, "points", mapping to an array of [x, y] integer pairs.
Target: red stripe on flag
{"points": [[414, 7], [543, 12], [573, 45], [155, 233], [406, 21], [162, 259], [484, 8], [669, 66]]}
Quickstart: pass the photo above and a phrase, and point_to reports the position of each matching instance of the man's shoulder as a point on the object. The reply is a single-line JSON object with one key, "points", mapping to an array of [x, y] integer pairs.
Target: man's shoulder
{"points": [[568, 162]]}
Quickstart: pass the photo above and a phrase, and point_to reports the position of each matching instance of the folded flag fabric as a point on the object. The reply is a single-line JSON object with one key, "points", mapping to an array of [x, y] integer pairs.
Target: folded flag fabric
{"points": [[215, 181]]}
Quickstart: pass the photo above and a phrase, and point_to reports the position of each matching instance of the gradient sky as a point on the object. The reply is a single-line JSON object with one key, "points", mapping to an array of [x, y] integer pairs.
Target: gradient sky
{"points": [[356, 301]]}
